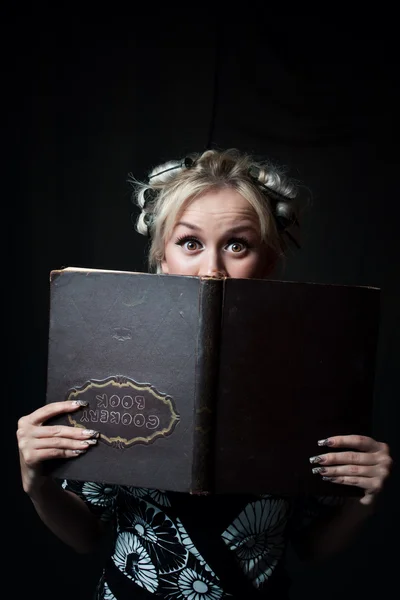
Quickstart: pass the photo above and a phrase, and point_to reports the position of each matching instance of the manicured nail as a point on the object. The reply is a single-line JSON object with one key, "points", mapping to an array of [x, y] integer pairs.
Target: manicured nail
{"points": [[78, 451], [90, 442], [329, 478], [81, 403], [90, 433], [325, 442], [318, 470], [316, 459]]}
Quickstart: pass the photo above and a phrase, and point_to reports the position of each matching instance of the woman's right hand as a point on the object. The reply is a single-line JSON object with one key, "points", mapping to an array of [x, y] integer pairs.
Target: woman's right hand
{"points": [[38, 443]]}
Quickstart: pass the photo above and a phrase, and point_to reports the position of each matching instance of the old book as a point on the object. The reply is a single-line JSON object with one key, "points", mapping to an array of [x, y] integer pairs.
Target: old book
{"points": [[210, 385]]}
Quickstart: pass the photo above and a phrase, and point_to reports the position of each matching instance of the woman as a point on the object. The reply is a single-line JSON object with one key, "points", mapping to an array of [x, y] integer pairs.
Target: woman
{"points": [[218, 214]]}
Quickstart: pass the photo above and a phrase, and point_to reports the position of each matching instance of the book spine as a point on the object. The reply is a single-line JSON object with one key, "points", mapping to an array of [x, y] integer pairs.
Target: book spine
{"points": [[207, 369]]}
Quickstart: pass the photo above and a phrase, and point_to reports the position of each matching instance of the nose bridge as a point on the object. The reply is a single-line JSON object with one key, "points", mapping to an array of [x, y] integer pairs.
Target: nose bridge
{"points": [[212, 263]]}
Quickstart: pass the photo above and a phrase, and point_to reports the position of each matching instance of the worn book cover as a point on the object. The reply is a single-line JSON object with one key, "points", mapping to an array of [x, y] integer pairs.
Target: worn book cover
{"points": [[207, 385]]}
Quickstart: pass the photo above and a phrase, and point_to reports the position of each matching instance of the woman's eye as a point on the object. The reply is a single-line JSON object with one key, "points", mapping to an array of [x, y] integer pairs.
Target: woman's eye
{"points": [[238, 246], [190, 244]]}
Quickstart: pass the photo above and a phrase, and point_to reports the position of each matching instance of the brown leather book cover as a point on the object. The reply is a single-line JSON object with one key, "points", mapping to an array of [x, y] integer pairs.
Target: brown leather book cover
{"points": [[210, 385]]}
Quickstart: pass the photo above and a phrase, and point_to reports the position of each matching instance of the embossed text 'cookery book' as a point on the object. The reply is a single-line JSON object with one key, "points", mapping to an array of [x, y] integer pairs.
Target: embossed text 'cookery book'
{"points": [[206, 385]]}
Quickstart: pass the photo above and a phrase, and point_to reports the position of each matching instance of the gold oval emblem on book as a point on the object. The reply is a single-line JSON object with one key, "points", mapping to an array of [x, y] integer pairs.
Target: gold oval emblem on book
{"points": [[124, 411]]}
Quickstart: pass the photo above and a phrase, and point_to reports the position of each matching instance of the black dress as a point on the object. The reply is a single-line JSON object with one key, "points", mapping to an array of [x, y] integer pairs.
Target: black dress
{"points": [[177, 546]]}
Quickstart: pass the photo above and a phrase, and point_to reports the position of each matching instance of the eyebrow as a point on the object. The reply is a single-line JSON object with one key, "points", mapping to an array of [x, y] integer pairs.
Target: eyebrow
{"points": [[235, 229]]}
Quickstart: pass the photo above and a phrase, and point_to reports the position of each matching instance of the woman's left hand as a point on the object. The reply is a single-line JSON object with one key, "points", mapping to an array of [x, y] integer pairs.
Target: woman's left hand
{"points": [[367, 465]]}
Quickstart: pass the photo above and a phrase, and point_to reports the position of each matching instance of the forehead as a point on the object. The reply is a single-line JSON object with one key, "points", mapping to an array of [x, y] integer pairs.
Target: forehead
{"points": [[224, 203]]}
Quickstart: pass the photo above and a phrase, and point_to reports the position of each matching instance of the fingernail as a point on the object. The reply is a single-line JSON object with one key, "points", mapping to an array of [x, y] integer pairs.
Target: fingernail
{"points": [[78, 451], [90, 442], [328, 478], [81, 403], [91, 433], [318, 470], [316, 459], [325, 442]]}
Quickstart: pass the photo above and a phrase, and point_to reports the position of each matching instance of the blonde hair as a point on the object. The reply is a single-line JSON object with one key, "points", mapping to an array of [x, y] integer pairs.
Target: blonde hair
{"points": [[173, 185]]}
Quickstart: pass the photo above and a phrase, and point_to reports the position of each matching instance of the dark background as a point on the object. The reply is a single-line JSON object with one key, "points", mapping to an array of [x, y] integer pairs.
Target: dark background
{"points": [[319, 95]]}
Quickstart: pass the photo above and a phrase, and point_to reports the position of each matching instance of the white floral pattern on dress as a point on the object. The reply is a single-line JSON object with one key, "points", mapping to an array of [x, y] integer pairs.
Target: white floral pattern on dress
{"points": [[195, 587], [100, 493], [103, 591], [191, 583], [257, 537], [157, 533], [187, 542], [133, 561], [154, 550], [107, 593]]}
